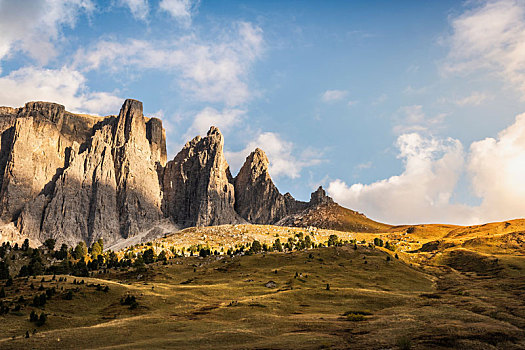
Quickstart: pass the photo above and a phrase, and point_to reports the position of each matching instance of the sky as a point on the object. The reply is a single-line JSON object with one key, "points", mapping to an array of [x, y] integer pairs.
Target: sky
{"points": [[410, 112]]}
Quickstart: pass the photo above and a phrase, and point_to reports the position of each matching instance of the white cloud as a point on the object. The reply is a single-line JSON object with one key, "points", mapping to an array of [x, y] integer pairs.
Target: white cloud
{"points": [[490, 37], [497, 168], [138, 8], [208, 71], [33, 26], [280, 153], [366, 165], [423, 192], [210, 116], [333, 95], [474, 99], [413, 119], [63, 86], [181, 10]]}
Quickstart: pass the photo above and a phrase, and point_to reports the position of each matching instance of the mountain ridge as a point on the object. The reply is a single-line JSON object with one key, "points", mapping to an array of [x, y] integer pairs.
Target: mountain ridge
{"points": [[76, 177]]}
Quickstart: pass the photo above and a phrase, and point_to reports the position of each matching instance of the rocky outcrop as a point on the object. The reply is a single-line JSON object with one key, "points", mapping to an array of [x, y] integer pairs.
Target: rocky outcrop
{"points": [[198, 186], [33, 151], [256, 198], [138, 189], [319, 197], [77, 177]]}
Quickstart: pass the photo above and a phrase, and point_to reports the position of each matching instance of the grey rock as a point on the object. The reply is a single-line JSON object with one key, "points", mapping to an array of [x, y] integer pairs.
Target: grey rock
{"points": [[256, 198], [198, 186]]}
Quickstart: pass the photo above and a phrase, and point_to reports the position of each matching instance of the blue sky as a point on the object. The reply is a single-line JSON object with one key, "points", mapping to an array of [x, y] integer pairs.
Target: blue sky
{"points": [[407, 111]]}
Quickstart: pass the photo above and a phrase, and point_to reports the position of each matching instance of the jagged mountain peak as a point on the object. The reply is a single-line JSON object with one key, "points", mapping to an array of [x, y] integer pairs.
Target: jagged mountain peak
{"points": [[320, 197], [77, 177]]}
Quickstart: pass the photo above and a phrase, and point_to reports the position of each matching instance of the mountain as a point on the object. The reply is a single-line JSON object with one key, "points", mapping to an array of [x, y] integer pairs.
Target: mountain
{"points": [[76, 177]]}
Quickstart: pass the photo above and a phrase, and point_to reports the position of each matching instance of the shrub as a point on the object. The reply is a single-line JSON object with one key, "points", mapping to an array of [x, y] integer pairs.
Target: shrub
{"points": [[33, 317], [41, 320], [355, 317]]}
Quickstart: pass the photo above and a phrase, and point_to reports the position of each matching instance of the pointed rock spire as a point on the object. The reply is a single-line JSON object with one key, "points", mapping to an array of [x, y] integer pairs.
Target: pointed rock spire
{"points": [[256, 197], [198, 186], [319, 197]]}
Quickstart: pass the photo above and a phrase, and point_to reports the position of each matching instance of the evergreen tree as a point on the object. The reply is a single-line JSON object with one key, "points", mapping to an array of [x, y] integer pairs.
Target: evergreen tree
{"points": [[96, 250], [41, 320], [333, 240], [162, 256], [4, 270], [62, 253], [80, 250], [256, 247], [50, 244], [149, 256], [308, 242], [25, 245], [277, 245]]}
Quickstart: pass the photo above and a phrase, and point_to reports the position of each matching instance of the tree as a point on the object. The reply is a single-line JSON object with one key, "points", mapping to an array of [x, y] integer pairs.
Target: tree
{"points": [[96, 250], [2, 293], [41, 320], [139, 263], [33, 317], [25, 245], [149, 256], [100, 242], [277, 245], [308, 241], [162, 256], [378, 242], [4, 270], [204, 252], [80, 250], [333, 240], [62, 253], [50, 244], [35, 266], [256, 247]]}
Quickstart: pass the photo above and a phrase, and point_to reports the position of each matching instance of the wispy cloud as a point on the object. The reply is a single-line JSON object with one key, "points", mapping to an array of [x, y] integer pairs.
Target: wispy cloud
{"points": [[474, 99], [208, 71], [333, 95], [138, 8], [491, 38], [181, 10], [413, 119]]}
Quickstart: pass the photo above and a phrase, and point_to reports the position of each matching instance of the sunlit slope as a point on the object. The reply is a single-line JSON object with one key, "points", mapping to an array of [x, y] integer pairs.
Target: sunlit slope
{"points": [[334, 217]]}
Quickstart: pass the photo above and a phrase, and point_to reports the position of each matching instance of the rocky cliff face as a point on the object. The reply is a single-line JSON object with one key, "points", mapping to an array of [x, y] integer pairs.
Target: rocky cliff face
{"points": [[76, 177], [256, 198], [108, 187], [198, 186]]}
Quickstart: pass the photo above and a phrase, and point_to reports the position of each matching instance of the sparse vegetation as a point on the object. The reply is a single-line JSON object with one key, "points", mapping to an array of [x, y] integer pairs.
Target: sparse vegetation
{"points": [[305, 281]]}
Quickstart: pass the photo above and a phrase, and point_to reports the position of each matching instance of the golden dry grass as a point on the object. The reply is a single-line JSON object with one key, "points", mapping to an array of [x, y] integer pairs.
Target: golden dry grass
{"points": [[455, 293]]}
